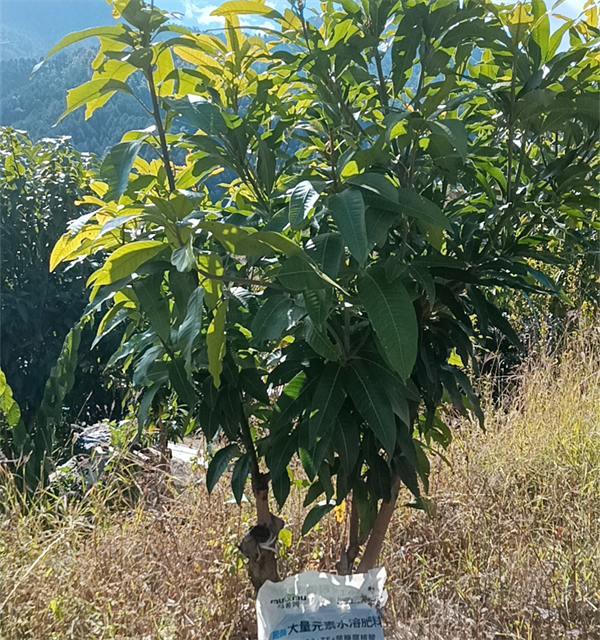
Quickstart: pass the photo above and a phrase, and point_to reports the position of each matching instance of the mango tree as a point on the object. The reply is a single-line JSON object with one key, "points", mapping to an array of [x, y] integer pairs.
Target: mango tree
{"points": [[303, 253]]}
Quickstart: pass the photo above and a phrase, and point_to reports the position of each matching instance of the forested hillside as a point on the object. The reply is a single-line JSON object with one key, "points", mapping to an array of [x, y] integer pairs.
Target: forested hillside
{"points": [[35, 104]]}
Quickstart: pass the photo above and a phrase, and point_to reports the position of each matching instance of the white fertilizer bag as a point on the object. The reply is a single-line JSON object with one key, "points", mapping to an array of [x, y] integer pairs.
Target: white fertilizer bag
{"points": [[321, 606]]}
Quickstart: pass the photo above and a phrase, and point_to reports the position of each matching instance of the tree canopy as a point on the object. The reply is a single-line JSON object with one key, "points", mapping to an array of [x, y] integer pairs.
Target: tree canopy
{"points": [[386, 169]]}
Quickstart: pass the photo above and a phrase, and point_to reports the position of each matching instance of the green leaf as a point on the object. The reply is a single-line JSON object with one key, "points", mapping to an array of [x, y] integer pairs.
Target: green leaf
{"points": [[346, 441], [200, 114], [146, 401], [298, 273], [393, 317], [251, 382], [327, 251], [415, 206], [181, 382], [371, 400], [125, 260], [8, 406], [78, 36], [276, 315], [280, 453], [302, 199], [266, 166], [190, 328], [117, 165], [378, 223], [91, 91], [240, 476], [215, 342], [281, 491], [314, 516], [285, 536], [318, 304], [348, 213], [154, 304], [326, 403], [210, 418], [246, 7], [318, 339], [454, 131], [218, 465], [183, 258], [377, 184]]}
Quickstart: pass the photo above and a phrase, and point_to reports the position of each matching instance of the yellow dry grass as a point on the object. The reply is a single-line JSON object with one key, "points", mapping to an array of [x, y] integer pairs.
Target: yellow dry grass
{"points": [[512, 550]]}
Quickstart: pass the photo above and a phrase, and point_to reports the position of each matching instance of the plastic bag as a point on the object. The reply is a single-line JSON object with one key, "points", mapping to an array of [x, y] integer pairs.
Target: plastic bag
{"points": [[321, 606]]}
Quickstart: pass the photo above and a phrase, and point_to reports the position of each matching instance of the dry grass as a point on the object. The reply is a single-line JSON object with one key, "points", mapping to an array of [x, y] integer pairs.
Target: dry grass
{"points": [[512, 551]]}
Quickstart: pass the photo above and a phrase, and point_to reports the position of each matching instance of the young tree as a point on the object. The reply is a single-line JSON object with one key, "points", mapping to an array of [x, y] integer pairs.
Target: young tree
{"points": [[386, 167]]}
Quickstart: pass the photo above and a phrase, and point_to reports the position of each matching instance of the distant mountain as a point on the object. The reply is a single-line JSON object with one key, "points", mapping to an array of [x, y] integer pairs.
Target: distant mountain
{"points": [[35, 105], [28, 28]]}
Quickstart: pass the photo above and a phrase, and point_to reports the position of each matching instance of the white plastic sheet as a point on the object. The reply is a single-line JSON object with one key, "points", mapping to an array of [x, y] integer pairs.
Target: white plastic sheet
{"points": [[320, 606]]}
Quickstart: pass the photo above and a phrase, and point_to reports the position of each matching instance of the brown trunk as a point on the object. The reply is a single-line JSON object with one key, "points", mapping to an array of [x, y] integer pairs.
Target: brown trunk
{"points": [[382, 522], [259, 544], [348, 555]]}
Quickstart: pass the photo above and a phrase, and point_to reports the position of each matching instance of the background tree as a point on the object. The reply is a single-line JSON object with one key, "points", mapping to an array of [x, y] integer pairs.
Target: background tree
{"points": [[40, 184], [343, 286]]}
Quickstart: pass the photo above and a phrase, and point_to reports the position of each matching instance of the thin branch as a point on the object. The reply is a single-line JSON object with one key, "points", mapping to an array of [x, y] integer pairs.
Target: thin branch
{"points": [[161, 131], [243, 281]]}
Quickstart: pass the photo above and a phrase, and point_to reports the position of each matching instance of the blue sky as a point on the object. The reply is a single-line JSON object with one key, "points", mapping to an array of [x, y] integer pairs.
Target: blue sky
{"points": [[197, 12]]}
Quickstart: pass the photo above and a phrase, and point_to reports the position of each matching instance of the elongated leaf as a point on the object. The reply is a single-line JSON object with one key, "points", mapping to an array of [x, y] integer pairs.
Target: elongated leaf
{"points": [[280, 453], [281, 489], [276, 315], [78, 36], [246, 7], [92, 91], [327, 402], [215, 342], [348, 212], [370, 398], [318, 304], [299, 273], [210, 418], [315, 515], [146, 401], [317, 338], [346, 441], [376, 183], [200, 113], [117, 165], [154, 304], [125, 260], [218, 465], [240, 476], [454, 131], [191, 326], [302, 199], [393, 317], [251, 382], [327, 251], [415, 206], [180, 381]]}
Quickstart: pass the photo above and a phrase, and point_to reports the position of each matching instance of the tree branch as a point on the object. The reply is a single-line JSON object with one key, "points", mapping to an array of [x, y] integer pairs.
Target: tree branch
{"points": [[244, 281]]}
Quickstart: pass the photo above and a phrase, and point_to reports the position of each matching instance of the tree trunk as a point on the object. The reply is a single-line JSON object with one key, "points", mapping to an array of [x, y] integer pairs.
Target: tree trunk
{"points": [[259, 544], [382, 522], [348, 555]]}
